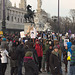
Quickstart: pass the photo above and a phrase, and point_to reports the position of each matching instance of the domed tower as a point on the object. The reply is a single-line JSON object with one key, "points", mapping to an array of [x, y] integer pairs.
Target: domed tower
{"points": [[22, 4]]}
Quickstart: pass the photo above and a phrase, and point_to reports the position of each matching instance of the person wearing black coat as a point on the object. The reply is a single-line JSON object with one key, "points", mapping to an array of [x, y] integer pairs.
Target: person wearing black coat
{"points": [[55, 63], [13, 61], [30, 67], [21, 53], [48, 53]]}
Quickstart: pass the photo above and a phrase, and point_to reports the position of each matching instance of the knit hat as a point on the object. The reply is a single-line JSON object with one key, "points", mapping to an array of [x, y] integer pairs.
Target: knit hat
{"points": [[4, 39], [37, 40], [73, 47], [3, 44], [28, 54], [55, 47]]}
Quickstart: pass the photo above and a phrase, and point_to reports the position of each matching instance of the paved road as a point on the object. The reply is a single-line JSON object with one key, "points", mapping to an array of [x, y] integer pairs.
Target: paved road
{"points": [[8, 71]]}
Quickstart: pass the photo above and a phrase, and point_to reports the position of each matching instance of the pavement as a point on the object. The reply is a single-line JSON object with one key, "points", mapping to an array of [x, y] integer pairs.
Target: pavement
{"points": [[44, 73]]}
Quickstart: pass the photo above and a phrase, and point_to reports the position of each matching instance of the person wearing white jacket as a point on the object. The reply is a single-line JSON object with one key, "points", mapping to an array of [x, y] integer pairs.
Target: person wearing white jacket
{"points": [[4, 58]]}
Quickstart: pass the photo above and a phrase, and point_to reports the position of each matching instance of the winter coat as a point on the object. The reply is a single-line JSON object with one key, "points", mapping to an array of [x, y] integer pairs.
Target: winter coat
{"points": [[55, 64], [4, 54], [65, 57], [69, 44], [13, 54], [21, 52], [39, 50], [73, 57], [48, 53], [45, 48], [30, 66]]}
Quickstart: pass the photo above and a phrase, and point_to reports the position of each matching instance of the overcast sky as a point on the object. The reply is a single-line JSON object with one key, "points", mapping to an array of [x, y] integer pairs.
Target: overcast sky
{"points": [[51, 6]]}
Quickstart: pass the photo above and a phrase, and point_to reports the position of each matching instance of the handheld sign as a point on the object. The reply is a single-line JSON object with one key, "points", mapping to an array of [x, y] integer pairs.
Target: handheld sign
{"points": [[65, 42]]}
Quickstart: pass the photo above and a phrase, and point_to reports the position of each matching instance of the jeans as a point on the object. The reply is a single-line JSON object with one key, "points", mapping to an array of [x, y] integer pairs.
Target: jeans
{"points": [[20, 67], [39, 61], [0, 66], [48, 67], [3, 68], [62, 57], [72, 70], [43, 62], [13, 70]]}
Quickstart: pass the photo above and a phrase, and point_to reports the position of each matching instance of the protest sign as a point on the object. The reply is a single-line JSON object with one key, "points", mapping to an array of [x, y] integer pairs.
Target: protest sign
{"points": [[65, 42], [22, 35]]}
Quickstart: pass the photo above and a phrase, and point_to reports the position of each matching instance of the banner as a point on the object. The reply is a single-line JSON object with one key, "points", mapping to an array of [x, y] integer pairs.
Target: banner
{"points": [[1, 32]]}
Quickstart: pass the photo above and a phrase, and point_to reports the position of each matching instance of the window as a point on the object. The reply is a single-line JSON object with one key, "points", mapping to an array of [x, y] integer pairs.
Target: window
{"points": [[21, 20], [12, 18], [18, 19]]}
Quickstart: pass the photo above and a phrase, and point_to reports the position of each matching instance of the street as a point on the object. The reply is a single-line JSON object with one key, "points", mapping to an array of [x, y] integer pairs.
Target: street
{"points": [[44, 73]]}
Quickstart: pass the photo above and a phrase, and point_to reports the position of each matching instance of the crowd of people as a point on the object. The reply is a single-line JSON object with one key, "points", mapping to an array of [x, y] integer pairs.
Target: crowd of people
{"points": [[37, 55]]}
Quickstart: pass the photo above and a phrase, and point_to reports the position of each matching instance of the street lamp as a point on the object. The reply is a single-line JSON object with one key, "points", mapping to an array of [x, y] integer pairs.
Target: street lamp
{"points": [[3, 21], [58, 18]]}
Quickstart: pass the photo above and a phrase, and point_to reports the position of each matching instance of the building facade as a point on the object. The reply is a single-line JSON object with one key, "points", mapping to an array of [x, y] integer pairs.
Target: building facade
{"points": [[14, 17]]}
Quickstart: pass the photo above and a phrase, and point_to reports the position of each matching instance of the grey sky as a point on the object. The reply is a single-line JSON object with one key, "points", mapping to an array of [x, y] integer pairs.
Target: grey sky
{"points": [[51, 6]]}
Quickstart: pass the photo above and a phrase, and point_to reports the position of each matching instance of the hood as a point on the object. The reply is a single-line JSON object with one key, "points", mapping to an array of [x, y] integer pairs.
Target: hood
{"points": [[69, 44], [55, 53], [73, 47], [26, 59]]}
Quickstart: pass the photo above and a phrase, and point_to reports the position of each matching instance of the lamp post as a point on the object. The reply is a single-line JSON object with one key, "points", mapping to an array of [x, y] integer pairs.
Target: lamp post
{"points": [[3, 21], [58, 18]]}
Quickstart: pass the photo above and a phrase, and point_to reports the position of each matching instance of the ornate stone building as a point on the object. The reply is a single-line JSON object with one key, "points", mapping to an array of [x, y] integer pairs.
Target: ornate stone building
{"points": [[14, 17]]}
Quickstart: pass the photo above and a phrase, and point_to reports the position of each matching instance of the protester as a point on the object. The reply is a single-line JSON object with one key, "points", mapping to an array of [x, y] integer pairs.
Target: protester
{"points": [[65, 57], [4, 61], [55, 63], [0, 62], [48, 53], [39, 50], [29, 46], [29, 64], [46, 47], [69, 54], [72, 64], [13, 61], [21, 53]]}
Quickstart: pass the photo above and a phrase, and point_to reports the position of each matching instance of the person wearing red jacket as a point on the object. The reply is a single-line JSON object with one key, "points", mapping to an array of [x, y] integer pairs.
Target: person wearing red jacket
{"points": [[39, 50]]}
